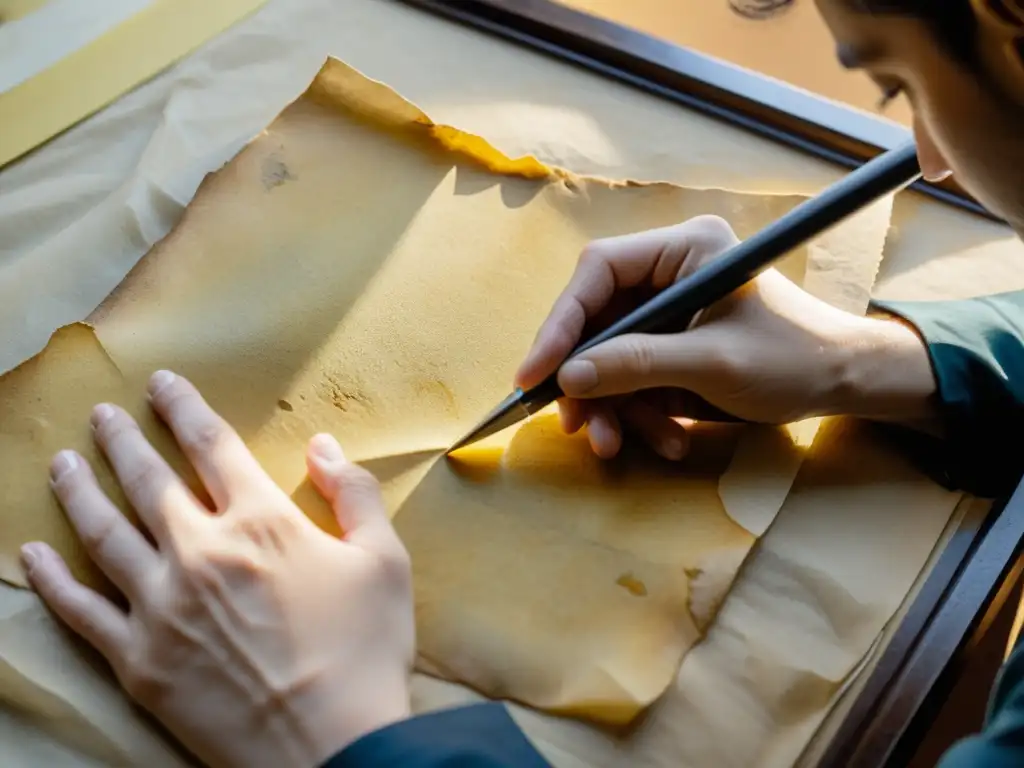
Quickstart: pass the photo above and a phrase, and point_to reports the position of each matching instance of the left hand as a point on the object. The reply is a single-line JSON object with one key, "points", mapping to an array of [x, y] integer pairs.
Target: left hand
{"points": [[255, 637]]}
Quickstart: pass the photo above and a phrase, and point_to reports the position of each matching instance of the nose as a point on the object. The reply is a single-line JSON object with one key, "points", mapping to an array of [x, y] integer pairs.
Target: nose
{"points": [[933, 165]]}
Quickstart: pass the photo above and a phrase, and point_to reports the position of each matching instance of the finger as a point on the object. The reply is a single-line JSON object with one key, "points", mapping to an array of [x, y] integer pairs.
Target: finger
{"points": [[571, 415], [655, 258], [666, 436], [87, 614], [604, 430], [221, 459], [354, 494], [114, 544], [629, 363], [158, 495]]}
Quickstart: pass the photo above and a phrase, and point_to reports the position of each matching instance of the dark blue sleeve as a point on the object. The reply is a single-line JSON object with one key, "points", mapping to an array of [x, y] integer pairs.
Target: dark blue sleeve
{"points": [[478, 736], [1001, 742], [976, 348]]}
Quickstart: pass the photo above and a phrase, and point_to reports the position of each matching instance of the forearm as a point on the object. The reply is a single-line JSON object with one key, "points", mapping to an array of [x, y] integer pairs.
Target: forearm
{"points": [[953, 369]]}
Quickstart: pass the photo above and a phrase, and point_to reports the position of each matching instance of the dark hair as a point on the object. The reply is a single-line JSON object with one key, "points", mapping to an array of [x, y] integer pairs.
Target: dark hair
{"points": [[952, 21]]}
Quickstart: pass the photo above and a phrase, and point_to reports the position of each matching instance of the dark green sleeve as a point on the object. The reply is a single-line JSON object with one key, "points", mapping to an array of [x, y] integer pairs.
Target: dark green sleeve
{"points": [[977, 352], [1001, 743]]}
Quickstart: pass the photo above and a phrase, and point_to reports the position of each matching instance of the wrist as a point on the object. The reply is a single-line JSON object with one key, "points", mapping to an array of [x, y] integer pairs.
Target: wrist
{"points": [[884, 374], [335, 721]]}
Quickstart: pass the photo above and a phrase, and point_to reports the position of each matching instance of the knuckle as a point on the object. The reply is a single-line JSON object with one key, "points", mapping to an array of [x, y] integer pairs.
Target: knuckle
{"points": [[141, 681], [203, 437], [99, 529], [359, 481], [592, 253], [140, 479], [640, 357], [711, 236], [396, 565], [724, 363], [713, 227]]}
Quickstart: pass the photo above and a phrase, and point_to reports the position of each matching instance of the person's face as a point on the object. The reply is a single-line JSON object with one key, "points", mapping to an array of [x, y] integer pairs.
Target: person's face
{"points": [[968, 123]]}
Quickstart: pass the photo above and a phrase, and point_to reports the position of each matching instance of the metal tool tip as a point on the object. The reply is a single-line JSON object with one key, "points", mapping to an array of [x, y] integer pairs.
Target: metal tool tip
{"points": [[510, 411]]}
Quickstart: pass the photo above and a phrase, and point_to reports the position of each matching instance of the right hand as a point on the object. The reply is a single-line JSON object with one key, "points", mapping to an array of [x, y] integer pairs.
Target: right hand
{"points": [[768, 353]]}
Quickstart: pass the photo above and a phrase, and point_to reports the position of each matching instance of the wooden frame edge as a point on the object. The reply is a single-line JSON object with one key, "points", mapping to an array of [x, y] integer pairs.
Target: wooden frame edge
{"points": [[986, 546], [769, 108]]}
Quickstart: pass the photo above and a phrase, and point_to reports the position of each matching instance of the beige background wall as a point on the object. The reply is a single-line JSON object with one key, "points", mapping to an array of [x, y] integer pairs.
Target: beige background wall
{"points": [[794, 46]]}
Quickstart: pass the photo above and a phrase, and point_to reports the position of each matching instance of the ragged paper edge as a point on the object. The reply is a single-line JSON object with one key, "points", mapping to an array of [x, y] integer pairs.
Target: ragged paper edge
{"points": [[16, 578], [341, 86], [751, 498]]}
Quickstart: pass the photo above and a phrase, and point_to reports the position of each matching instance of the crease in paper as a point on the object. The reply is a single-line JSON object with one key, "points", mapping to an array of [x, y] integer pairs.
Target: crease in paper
{"points": [[534, 227]]}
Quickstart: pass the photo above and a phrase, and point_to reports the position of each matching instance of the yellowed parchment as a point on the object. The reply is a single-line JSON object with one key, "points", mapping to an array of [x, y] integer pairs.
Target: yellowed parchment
{"points": [[341, 276], [76, 215]]}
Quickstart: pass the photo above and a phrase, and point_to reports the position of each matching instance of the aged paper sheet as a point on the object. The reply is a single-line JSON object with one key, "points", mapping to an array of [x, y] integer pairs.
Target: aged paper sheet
{"points": [[345, 272], [75, 216]]}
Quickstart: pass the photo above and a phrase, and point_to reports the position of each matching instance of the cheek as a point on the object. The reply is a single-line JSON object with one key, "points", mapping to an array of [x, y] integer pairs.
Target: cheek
{"points": [[980, 140]]}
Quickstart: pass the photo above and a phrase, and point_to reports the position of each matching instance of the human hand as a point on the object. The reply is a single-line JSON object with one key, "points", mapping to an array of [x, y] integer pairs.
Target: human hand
{"points": [[768, 353], [255, 637]]}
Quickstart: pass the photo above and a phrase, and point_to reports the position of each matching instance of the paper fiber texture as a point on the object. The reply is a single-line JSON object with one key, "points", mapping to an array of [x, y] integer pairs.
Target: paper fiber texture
{"points": [[360, 270], [75, 216]]}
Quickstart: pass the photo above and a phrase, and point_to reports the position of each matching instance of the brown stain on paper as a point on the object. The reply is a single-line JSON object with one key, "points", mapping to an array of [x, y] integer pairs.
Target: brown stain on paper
{"points": [[632, 585], [274, 172], [359, 253]]}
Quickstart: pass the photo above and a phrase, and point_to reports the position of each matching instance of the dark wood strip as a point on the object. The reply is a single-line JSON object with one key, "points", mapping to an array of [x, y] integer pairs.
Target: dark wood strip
{"points": [[768, 108]]}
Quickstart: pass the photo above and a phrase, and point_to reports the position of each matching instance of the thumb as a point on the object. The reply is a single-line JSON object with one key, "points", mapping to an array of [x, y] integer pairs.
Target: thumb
{"points": [[353, 493], [641, 361]]}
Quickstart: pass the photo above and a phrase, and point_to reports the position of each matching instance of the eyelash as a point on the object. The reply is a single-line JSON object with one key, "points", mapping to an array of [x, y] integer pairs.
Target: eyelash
{"points": [[891, 94]]}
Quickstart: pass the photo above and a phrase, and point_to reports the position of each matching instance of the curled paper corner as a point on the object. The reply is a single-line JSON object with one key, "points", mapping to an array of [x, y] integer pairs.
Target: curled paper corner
{"points": [[762, 470]]}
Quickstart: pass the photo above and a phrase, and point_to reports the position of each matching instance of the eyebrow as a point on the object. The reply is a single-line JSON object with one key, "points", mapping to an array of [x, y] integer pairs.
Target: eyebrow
{"points": [[855, 56]]}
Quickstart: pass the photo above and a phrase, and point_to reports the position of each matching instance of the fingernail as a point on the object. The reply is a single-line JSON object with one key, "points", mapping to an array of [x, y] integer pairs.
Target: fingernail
{"points": [[101, 413], [578, 377], [31, 555], [326, 449], [672, 449], [63, 464], [159, 381]]}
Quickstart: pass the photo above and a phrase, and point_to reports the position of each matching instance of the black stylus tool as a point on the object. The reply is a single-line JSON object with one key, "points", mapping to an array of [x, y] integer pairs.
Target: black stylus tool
{"points": [[886, 173]]}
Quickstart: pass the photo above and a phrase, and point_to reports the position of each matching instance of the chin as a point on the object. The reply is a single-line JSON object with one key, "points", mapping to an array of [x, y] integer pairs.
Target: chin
{"points": [[989, 192]]}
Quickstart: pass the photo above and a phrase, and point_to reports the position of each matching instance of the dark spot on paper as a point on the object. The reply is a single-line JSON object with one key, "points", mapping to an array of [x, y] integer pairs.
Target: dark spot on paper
{"points": [[275, 173], [345, 395], [284, 405], [693, 573], [345, 400], [571, 185], [632, 585]]}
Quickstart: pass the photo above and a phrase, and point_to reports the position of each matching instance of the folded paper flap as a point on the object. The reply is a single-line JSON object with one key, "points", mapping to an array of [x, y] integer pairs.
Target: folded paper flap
{"points": [[331, 277]]}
